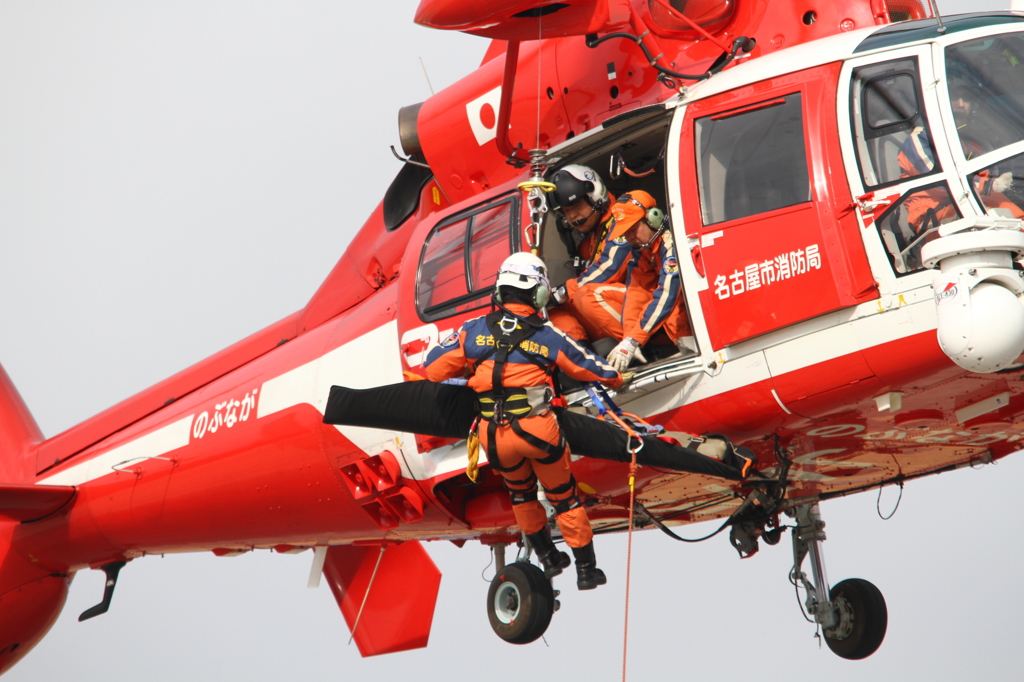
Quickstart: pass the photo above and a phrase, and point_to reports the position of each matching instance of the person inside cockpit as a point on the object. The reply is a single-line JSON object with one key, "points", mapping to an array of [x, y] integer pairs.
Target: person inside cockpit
{"points": [[932, 207]]}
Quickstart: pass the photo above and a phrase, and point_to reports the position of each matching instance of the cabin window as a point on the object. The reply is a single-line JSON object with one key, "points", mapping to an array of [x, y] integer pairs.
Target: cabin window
{"points": [[752, 160], [985, 78], [890, 130], [461, 256], [914, 221], [1000, 188]]}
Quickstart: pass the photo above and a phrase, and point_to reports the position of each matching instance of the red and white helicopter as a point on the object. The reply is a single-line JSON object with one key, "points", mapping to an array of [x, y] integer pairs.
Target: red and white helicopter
{"points": [[840, 281]]}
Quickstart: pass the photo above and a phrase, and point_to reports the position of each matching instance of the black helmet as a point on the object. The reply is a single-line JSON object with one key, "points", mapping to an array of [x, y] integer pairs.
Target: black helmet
{"points": [[575, 182]]}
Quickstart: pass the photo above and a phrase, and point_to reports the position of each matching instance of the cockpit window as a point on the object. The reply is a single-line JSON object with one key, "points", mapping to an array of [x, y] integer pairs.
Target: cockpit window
{"points": [[890, 129], [752, 160], [913, 221], [1000, 187], [985, 79]]}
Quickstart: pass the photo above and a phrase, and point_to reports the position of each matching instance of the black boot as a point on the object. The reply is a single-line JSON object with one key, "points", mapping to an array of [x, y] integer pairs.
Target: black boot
{"points": [[551, 559], [588, 575]]}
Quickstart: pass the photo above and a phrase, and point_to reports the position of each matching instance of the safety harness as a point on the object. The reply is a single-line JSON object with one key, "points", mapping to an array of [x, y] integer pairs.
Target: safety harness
{"points": [[505, 406]]}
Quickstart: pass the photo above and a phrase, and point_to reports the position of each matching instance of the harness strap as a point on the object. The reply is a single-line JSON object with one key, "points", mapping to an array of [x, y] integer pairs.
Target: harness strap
{"points": [[564, 488], [514, 491], [523, 496], [526, 481], [555, 452], [566, 505], [492, 450]]}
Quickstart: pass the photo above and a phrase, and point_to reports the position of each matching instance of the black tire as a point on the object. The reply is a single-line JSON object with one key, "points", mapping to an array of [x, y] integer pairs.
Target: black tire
{"points": [[870, 619], [520, 602]]}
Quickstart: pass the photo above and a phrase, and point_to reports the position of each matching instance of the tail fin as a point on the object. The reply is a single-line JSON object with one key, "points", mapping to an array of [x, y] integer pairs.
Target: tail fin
{"points": [[19, 433]]}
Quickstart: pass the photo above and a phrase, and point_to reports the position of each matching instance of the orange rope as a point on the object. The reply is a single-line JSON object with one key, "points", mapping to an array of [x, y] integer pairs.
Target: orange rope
{"points": [[629, 559], [629, 543], [631, 434]]}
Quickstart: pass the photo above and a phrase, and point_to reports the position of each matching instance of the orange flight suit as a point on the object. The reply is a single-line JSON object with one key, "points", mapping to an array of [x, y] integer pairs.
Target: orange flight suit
{"points": [[528, 448], [633, 293]]}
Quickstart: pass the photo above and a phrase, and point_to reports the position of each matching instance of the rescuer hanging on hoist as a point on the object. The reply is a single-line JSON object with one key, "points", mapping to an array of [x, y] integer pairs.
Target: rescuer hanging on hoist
{"points": [[510, 355]]}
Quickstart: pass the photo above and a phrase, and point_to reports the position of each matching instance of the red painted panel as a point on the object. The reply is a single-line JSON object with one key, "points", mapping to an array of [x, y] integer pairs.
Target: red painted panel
{"points": [[28, 502], [839, 374], [386, 592], [497, 18], [18, 433], [30, 611], [748, 411], [811, 252]]}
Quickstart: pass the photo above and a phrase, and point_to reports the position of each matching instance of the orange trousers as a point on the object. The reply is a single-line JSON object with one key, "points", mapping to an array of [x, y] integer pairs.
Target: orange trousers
{"points": [[521, 466], [595, 311]]}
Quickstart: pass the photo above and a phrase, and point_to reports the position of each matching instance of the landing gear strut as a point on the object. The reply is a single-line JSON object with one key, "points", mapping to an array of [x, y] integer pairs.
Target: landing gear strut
{"points": [[853, 617], [521, 600]]}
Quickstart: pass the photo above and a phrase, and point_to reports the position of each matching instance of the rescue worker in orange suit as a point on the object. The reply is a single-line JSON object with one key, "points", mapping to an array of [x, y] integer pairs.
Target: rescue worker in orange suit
{"points": [[633, 287], [581, 203], [932, 207], [510, 355], [653, 283], [584, 205]]}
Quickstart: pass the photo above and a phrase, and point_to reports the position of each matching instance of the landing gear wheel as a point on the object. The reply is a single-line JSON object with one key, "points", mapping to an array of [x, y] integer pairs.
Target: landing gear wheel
{"points": [[864, 619], [520, 603]]}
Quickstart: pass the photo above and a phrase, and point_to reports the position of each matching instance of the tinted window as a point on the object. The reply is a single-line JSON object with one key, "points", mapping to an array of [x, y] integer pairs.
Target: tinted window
{"points": [[752, 160], [913, 221], [461, 257], [889, 126], [1000, 188], [985, 79]]}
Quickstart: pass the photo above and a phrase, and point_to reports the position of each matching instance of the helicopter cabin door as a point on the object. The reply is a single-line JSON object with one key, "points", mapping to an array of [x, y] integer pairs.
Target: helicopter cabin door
{"points": [[767, 212]]}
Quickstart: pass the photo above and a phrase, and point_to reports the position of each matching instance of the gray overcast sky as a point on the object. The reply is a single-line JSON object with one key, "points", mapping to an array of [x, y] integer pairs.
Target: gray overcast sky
{"points": [[175, 176]]}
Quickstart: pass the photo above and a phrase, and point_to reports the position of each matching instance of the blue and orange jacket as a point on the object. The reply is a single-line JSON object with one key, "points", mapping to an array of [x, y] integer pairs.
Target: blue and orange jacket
{"points": [[610, 262], [472, 347], [653, 284], [593, 242]]}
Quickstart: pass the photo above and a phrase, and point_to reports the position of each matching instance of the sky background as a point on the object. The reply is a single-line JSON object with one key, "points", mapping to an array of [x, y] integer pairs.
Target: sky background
{"points": [[176, 176]]}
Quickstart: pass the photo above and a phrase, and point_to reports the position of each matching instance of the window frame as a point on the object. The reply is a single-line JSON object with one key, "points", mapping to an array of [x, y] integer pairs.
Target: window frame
{"points": [[940, 183], [769, 102], [859, 124], [446, 308]]}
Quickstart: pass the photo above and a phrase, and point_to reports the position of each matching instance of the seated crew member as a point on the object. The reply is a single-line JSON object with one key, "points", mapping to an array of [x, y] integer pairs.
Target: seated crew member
{"points": [[653, 283], [582, 203], [932, 207], [510, 355], [590, 306]]}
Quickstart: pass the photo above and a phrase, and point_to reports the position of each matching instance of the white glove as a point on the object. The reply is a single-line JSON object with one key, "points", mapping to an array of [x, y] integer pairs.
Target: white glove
{"points": [[559, 296], [1003, 182], [623, 354]]}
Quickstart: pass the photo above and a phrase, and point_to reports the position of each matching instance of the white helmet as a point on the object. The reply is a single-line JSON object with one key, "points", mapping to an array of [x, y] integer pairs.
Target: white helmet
{"points": [[575, 182], [524, 271]]}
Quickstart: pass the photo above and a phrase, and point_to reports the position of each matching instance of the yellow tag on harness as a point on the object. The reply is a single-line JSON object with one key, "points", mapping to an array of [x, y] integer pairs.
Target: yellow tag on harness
{"points": [[473, 447]]}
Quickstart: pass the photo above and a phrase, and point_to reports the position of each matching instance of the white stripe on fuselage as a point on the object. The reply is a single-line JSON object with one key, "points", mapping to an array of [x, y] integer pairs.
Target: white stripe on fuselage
{"points": [[165, 439], [373, 359], [367, 361]]}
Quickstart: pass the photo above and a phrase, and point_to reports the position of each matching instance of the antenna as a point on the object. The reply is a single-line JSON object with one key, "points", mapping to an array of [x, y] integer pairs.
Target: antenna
{"points": [[427, 76], [938, 17]]}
